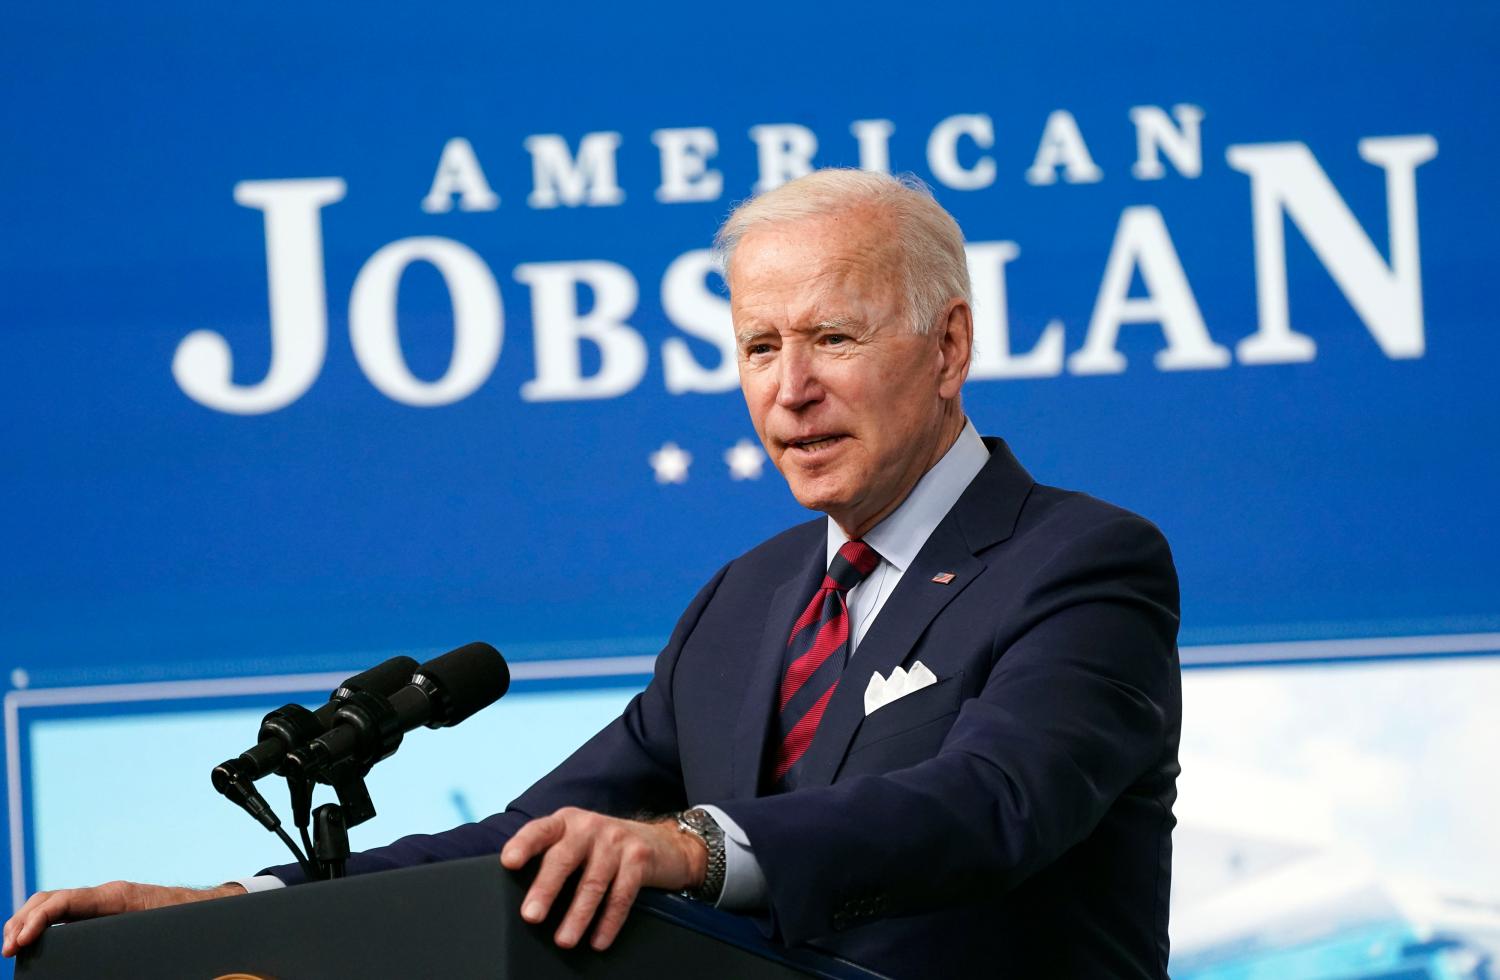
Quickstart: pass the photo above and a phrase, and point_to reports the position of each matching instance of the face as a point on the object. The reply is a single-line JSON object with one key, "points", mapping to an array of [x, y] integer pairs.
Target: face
{"points": [[850, 404]]}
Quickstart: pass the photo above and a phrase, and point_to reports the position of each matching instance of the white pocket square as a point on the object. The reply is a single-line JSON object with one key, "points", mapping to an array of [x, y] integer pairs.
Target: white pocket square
{"points": [[883, 690]]}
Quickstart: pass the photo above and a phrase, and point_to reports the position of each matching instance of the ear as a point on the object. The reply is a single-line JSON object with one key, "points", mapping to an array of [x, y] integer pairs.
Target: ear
{"points": [[955, 340]]}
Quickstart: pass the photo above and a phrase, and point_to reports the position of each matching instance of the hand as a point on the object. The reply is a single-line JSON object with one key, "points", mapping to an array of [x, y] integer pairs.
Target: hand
{"points": [[618, 857], [70, 904]]}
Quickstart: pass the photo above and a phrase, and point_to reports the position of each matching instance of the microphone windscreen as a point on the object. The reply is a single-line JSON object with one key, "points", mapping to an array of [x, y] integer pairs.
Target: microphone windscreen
{"points": [[470, 678], [382, 679]]}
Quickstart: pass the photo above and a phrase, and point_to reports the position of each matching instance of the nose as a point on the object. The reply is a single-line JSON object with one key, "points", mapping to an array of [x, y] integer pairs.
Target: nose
{"points": [[797, 383]]}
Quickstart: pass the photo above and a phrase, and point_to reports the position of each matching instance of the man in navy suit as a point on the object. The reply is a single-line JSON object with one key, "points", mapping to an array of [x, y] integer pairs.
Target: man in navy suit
{"points": [[935, 732]]}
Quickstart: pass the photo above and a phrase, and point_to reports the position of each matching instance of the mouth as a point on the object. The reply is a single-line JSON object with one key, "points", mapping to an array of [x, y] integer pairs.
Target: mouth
{"points": [[814, 444]]}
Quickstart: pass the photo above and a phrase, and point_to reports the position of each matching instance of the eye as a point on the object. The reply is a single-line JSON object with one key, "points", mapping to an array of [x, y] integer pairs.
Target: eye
{"points": [[835, 339]]}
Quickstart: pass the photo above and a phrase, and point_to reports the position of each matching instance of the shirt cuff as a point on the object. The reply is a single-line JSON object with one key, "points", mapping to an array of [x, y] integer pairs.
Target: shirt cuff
{"points": [[260, 883], [744, 882]]}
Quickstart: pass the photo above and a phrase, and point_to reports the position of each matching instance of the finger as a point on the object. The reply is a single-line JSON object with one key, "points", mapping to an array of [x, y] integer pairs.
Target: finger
{"points": [[52, 909], [32, 903], [557, 864], [598, 873], [31, 919], [18, 919], [532, 839], [621, 897], [8, 945]]}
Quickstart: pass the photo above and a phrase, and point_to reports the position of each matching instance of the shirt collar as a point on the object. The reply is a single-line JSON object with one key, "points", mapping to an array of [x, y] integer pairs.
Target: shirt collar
{"points": [[901, 535]]}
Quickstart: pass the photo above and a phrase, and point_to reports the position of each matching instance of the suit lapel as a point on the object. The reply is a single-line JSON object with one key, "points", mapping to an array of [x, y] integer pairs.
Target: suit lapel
{"points": [[984, 515], [757, 710]]}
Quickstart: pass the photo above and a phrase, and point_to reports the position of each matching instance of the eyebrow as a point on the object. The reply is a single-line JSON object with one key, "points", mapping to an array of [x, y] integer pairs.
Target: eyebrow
{"points": [[831, 325]]}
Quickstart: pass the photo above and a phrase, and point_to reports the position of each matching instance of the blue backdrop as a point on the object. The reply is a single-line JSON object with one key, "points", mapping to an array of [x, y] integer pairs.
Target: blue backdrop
{"points": [[1286, 211]]}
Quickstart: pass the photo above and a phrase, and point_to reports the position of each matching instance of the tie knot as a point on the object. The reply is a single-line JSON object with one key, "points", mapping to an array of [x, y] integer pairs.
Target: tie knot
{"points": [[854, 561]]}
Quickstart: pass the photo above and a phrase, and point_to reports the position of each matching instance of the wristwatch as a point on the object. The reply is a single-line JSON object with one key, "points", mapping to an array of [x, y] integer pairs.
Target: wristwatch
{"points": [[702, 826]]}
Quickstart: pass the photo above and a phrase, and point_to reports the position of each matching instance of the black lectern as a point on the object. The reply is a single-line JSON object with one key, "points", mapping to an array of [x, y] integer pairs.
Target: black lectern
{"points": [[456, 919]]}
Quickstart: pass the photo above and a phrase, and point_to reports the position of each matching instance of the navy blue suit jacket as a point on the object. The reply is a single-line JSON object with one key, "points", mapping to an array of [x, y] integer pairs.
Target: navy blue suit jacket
{"points": [[1014, 818]]}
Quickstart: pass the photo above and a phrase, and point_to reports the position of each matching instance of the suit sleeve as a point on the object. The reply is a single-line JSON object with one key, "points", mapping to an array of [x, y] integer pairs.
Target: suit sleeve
{"points": [[1076, 709], [628, 768]]}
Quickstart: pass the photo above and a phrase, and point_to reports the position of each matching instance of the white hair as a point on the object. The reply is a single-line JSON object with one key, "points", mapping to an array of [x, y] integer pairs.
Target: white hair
{"points": [[927, 239]]}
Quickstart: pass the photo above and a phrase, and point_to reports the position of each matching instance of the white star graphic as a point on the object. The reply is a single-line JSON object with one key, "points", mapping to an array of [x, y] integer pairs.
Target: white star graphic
{"points": [[671, 463], [745, 460]]}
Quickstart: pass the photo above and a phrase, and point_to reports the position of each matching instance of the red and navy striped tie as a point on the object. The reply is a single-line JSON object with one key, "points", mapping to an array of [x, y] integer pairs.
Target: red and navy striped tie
{"points": [[816, 654]]}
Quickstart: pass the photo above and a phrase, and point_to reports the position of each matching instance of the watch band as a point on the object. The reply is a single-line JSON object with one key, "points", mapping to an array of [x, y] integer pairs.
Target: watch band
{"points": [[702, 826]]}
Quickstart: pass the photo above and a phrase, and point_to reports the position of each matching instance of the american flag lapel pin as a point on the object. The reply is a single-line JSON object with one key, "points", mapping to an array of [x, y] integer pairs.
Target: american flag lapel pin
{"points": [[943, 578]]}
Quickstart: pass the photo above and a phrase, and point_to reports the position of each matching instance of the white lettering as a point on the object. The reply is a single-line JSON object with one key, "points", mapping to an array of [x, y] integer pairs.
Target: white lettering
{"points": [[458, 172], [785, 152], [1141, 241], [557, 178], [1285, 180], [684, 165], [478, 321], [942, 152], [695, 309], [1062, 146], [874, 136], [559, 329], [203, 365], [1183, 143]]}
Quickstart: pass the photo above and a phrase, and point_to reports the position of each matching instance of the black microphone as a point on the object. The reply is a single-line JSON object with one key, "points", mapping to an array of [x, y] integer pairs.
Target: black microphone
{"points": [[367, 728], [292, 725]]}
